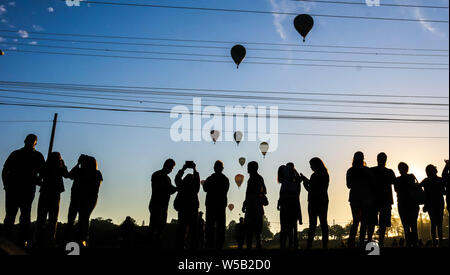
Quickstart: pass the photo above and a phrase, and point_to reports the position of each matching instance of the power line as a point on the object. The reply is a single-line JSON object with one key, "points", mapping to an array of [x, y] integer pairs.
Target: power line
{"points": [[230, 62], [167, 91], [173, 103], [224, 48], [227, 42], [263, 12], [225, 56], [155, 111], [167, 128], [137, 89], [381, 4]]}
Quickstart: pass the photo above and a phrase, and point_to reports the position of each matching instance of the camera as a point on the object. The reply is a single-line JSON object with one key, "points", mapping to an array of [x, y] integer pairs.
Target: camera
{"points": [[189, 164]]}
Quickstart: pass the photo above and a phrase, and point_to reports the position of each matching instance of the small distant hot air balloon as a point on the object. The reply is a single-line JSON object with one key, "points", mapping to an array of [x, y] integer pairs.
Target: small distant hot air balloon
{"points": [[242, 161], [239, 179], [303, 23], [231, 206], [2, 52], [215, 135], [202, 182], [264, 147], [238, 53], [238, 137]]}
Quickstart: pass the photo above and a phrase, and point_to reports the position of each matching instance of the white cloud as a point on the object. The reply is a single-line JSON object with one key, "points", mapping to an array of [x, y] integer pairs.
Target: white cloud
{"points": [[2, 39], [23, 34], [4, 21], [50, 9], [15, 40], [38, 28], [2, 9], [33, 43], [426, 25], [12, 4], [13, 48]]}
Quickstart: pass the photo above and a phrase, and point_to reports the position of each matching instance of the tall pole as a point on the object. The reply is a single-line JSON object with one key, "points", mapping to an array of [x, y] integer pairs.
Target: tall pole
{"points": [[52, 138]]}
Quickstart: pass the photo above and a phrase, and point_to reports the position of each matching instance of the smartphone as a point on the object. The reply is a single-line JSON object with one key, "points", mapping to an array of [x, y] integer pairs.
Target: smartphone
{"points": [[190, 164]]}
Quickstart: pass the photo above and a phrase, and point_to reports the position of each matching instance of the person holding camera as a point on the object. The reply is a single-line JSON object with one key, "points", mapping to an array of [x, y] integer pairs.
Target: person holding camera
{"points": [[255, 200], [187, 204]]}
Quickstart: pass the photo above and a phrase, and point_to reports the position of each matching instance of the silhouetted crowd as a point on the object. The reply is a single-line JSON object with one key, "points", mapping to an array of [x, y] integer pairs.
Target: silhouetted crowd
{"points": [[371, 200]]}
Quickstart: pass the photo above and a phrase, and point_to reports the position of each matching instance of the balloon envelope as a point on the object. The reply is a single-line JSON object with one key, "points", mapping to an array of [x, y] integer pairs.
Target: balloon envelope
{"points": [[239, 179], [202, 182], [264, 147], [238, 53], [231, 206], [238, 136], [2, 52], [215, 135], [242, 161], [303, 23]]}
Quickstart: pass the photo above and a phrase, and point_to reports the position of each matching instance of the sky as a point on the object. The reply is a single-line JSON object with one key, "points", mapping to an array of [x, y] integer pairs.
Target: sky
{"points": [[128, 156]]}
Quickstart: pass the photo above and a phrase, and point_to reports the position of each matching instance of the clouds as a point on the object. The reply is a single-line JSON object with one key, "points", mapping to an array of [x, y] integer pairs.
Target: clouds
{"points": [[38, 28], [23, 34], [426, 25], [33, 43], [2, 9], [50, 9]]}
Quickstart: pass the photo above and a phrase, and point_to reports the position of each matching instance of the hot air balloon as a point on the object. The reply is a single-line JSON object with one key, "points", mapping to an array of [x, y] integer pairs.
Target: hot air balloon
{"points": [[231, 206], [238, 53], [239, 179], [264, 147], [238, 137], [303, 23], [215, 135], [202, 182], [2, 52], [242, 161]]}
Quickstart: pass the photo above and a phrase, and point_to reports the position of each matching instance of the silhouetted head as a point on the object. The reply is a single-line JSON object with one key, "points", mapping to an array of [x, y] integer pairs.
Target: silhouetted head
{"points": [[317, 165], [403, 168], [218, 166], [91, 163], [54, 159], [252, 167], [30, 141], [431, 171], [168, 166], [200, 214], [241, 220], [83, 161], [281, 173], [128, 219], [382, 159], [358, 159]]}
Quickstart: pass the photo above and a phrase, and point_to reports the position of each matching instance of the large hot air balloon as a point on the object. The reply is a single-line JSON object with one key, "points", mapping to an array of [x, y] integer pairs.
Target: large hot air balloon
{"points": [[264, 147], [231, 206], [239, 179], [238, 137], [238, 53], [303, 23], [215, 135], [242, 161]]}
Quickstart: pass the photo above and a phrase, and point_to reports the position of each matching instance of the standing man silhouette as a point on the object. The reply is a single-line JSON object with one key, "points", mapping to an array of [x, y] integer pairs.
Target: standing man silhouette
{"points": [[20, 176], [216, 187], [384, 180], [255, 200], [162, 189]]}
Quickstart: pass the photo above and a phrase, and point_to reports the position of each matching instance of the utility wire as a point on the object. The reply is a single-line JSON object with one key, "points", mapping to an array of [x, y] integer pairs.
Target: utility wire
{"points": [[223, 48], [230, 62], [225, 56], [262, 12], [227, 42], [381, 4]]}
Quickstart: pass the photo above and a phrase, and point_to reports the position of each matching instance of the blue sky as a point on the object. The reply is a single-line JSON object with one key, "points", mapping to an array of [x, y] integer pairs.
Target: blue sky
{"points": [[127, 157]]}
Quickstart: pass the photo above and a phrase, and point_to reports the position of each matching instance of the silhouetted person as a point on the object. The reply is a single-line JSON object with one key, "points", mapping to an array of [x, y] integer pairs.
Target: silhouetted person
{"points": [[127, 229], [317, 188], [255, 200], [201, 230], [384, 180], [162, 189], [240, 233], [216, 187], [186, 203], [20, 176], [361, 184], [408, 208], [434, 205], [86, 185], [446, 180], [52, 185], [289, 205]]}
